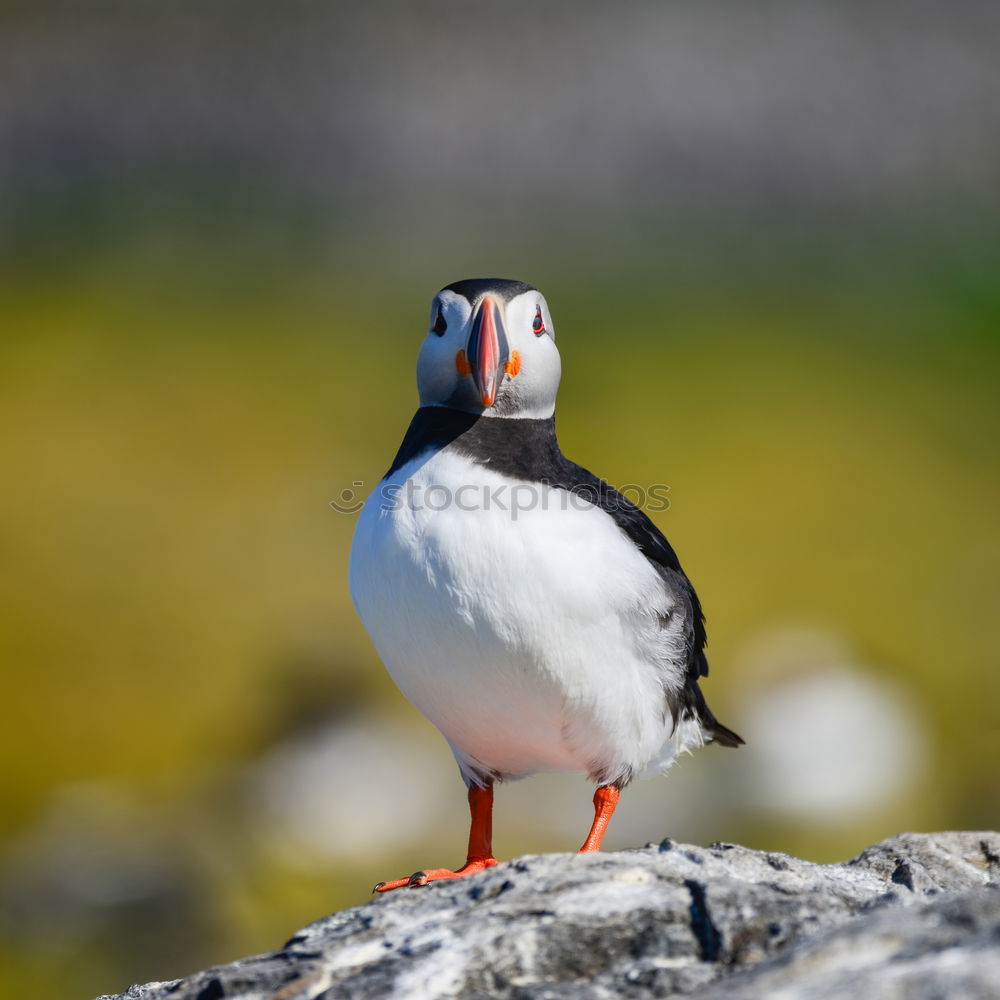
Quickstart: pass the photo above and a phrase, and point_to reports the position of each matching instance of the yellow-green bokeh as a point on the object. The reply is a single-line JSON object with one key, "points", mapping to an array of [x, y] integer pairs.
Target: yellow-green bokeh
{"points": [[174, 586]]}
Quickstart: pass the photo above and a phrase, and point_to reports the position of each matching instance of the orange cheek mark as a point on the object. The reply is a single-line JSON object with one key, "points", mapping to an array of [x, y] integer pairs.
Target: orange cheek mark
{"points": [[462, 364], [514, 365]]}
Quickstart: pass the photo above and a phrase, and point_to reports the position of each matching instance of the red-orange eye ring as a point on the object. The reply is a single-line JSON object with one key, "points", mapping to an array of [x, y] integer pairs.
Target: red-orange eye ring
{"points": [[538, 324], [440, 324]]}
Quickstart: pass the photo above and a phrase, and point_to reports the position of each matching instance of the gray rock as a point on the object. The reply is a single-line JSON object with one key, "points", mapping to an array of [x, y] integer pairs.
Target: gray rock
{"points": [[944, 948], [917, 915]]}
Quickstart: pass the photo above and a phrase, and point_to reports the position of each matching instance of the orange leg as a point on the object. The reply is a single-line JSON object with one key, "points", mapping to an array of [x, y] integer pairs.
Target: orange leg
{"points": [[605, 800], [480, 845]]}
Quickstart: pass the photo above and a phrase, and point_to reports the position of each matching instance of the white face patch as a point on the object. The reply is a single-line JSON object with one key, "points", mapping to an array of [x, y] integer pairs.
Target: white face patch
{"points": [[533, 367], [437, 374]]}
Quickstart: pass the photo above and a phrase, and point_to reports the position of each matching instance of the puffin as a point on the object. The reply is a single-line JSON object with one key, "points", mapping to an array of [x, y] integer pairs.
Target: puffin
{"points": [[535, 615]]}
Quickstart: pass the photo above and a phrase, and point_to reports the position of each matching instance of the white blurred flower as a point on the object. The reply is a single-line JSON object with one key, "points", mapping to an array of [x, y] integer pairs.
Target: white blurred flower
{"points": [[354, 789], [827, 737]]}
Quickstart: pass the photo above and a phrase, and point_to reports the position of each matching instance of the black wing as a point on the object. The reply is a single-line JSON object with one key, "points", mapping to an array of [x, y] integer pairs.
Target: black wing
{"points": [[654, 545]]}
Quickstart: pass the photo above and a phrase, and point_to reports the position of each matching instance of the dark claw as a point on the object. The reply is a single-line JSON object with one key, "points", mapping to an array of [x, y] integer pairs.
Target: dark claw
{"points": [[416, 879], [378, 885]]}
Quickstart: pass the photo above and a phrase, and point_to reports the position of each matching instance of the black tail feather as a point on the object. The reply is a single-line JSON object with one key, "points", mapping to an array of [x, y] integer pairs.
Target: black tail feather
{"points": [[695, 707], [723, 735]]}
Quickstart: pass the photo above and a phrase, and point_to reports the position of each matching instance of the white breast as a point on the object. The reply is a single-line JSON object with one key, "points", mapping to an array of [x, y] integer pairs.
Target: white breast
{"points": [[533, 636]]}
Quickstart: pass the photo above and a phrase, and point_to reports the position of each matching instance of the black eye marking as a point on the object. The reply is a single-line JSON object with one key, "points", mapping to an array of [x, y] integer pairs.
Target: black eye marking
{"points": [[440, 324], [538, 324]]}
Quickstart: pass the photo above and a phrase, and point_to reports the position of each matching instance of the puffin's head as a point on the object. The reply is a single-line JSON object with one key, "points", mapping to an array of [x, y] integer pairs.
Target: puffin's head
{"points": [[490, 350]]}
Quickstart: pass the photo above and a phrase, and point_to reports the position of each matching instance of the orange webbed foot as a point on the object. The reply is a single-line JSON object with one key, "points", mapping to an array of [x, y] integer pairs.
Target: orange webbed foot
{"points": [[480, 854], [471, 867]]}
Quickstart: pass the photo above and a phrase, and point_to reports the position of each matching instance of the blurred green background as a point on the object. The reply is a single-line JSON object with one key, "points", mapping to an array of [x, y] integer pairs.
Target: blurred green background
{"points": [[769, 237]]}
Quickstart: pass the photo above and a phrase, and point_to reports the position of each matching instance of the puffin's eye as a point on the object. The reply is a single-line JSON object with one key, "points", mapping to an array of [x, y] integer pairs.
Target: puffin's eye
{"points": [[440, 324], [538, 324]]}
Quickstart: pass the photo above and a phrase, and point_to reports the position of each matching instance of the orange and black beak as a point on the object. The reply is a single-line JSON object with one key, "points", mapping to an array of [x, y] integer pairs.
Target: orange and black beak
{"points": [[487, 350]]}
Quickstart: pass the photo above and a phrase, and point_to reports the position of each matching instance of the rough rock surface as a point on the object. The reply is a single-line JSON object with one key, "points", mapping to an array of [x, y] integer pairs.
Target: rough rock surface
{"points": [[915, 916]]}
